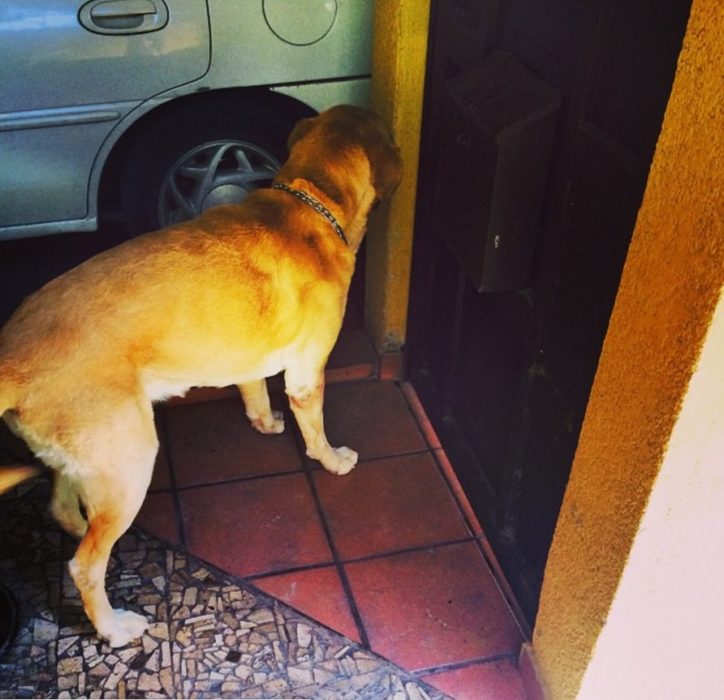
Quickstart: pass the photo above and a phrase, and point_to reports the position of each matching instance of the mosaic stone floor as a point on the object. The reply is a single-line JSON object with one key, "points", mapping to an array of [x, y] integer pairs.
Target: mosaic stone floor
{"points": [[212, 635]]}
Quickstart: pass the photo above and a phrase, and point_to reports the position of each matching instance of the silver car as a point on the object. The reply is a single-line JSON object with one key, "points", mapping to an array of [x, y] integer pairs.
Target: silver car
{"points": [[161, 108]]}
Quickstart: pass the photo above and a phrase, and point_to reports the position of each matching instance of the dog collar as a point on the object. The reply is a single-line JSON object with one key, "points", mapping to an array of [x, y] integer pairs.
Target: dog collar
{"points": [[316, 205]]}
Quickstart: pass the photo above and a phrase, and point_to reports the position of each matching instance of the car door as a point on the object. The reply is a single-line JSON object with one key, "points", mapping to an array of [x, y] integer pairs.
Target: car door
{"points": [[69, 72]]}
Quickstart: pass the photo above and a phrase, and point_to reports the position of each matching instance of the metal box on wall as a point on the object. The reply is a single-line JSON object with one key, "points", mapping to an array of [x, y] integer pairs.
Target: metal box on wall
{"points": [[497, 131]]}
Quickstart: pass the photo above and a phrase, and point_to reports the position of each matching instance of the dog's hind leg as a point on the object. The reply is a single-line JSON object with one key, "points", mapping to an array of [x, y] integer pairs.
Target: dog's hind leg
{"points": [[113, 515], [258, 408], [112, 491], [65, 506]]}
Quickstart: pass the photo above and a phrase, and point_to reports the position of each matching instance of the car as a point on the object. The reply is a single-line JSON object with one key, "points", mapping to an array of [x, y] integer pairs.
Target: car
{"points": [[160, 109]]}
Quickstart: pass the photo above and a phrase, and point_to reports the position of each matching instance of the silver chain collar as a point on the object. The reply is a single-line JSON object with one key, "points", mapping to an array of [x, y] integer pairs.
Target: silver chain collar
{"points": [[316, 205]]}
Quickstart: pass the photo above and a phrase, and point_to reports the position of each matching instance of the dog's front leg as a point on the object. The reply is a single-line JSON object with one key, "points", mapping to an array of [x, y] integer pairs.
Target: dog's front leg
{"points": [[258, 408], [306, 399]]}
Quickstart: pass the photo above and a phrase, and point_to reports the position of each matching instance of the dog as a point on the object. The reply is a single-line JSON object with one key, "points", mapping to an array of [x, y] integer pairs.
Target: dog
{"points": [[238, 294]]}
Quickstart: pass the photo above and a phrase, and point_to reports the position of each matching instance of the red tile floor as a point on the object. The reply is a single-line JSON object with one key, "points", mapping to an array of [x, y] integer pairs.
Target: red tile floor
{"points": [[389, 555]]}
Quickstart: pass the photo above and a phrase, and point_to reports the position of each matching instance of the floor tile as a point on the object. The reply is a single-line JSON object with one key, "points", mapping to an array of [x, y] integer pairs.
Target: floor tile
{"points": [[210, 635], [433, 607], [408, 499], [158, 517], [255, 526], [498, 680], [317, 593], [210, 442], [371, 418]]}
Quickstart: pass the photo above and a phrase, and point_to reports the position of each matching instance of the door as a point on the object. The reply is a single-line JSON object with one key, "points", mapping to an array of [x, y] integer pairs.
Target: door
{"points": [[70, 71], [541, 117]]}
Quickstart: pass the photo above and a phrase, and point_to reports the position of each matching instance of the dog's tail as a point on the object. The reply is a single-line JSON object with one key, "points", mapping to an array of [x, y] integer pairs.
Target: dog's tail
{"points": [[13, 474]]}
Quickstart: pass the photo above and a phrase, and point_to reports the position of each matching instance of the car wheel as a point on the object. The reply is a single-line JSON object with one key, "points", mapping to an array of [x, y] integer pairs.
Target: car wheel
{"points": [[200, 156]]}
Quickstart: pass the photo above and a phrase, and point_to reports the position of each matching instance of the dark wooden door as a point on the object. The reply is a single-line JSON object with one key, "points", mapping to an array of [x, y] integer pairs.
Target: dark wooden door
{"points": [[552, 163]]}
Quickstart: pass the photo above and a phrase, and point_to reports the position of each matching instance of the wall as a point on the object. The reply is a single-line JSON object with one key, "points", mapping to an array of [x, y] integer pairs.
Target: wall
{"points": [[398, 76], [662, 637], [669, 289]]}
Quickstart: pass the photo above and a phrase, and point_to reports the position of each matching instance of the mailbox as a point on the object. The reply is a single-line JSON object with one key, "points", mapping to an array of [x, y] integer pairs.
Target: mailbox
{"points": [[497, 129]]}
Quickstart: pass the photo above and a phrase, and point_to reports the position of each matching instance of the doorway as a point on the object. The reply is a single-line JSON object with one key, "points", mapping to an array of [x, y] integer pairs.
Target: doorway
{"points": [[541, 118]]}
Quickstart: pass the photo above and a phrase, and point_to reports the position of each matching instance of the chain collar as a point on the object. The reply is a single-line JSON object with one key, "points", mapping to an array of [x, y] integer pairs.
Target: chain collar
{"points": [[316, 205]]}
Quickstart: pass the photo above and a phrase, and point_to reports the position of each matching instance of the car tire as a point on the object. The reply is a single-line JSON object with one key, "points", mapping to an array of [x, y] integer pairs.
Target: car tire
{"points": [[200, 155]]}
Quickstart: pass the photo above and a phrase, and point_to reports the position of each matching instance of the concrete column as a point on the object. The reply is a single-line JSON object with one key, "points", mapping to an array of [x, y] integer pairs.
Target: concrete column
{"points": [[398, 76]]}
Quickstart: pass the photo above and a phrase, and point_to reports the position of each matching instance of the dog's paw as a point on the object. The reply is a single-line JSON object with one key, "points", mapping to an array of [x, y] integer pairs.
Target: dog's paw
{"points": [[272, 424], [341, 461], [122, 627]]}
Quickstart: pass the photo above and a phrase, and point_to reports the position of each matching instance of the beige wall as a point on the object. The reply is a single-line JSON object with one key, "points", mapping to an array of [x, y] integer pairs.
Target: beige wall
{"points": [[662, 634], [665, 305]]}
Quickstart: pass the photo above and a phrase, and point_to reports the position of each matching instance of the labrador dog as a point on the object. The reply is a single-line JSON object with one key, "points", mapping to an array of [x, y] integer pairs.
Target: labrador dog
{"points": [[236, 295]]}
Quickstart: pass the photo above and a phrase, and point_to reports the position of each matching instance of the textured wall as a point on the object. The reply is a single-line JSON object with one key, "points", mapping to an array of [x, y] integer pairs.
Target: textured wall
{"points": [[662, 637], [671, 281], [398, 76]]}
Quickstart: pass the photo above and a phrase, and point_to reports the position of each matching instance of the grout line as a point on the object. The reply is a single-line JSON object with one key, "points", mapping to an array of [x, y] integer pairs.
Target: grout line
{"points": [[163, 429], [458, 665], [352, 602], [346, 587], [238, 480], [456, 491], [408, 550], [503, 586], [362, 559], [441, 460], [374, 458], [291, 570], [464, 506], [306, 463]]}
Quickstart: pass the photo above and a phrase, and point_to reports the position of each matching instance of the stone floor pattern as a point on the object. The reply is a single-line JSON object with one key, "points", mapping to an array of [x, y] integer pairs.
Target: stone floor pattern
{"points": [[212, 635]]}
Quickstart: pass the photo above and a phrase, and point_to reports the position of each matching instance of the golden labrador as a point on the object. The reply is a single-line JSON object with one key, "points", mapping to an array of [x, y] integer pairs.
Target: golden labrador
{"points": [[238, 294]]}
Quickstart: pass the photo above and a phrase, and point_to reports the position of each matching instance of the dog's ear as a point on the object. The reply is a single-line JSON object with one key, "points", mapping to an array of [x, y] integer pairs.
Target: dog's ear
{"points": [[382, 153], [386, 168], [300, 130]]}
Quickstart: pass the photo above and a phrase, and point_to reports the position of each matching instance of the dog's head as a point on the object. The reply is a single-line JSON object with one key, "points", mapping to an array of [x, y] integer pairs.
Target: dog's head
{"points": [[346, 126]]}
